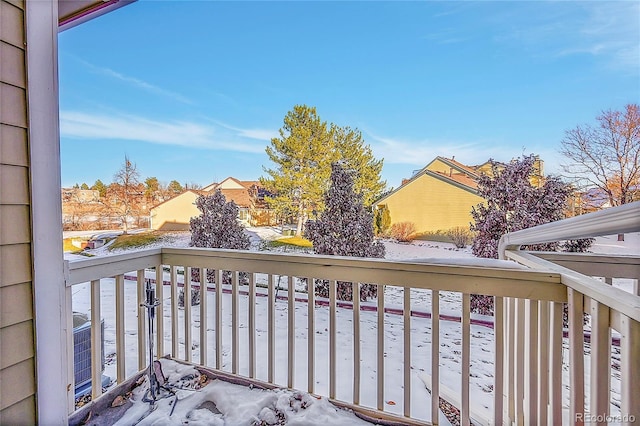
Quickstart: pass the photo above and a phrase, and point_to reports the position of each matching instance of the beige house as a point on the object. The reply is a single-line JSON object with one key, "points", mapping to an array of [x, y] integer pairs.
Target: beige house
{"points": [[441, 195], [174, 214]]}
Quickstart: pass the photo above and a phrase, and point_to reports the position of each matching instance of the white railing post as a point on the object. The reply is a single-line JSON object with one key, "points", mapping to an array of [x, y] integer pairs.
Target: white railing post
{"points": [[531, 361], [511, 359], [356, 343], [600, 360], [252, 325], [96, 341], [291, 331], [160, 311], [203, 317], [235, 340], [271, 328], [188, 340], [435, 356], [406, 311], [543, 362], [174, 312], [71, 391], [311, 337], [218, 278], [120, 326], [466, 349], [555, 369], [630, 370], [499, 350], [332, 338], [576, 355], [142, 314], [380, 372]]}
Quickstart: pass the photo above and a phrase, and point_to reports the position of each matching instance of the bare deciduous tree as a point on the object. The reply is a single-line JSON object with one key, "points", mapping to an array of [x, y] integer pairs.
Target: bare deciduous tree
{"points": [[607, 155], [126, 191]]}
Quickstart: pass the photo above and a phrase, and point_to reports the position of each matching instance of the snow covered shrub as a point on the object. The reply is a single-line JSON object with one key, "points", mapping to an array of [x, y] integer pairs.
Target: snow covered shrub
{"points": [[382, 220], [195, 297], [513, 203], [403, 232], [345, 228], [481, 304], [216, 227], [578, 246], [460, 236]]}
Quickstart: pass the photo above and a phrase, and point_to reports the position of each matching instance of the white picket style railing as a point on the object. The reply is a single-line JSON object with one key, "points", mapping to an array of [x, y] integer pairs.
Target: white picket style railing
{"points": [[611, 310], [528, 324]]}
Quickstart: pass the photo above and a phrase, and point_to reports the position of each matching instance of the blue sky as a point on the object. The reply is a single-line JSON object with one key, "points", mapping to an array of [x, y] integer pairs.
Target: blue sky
{"points": [[194, 90]]}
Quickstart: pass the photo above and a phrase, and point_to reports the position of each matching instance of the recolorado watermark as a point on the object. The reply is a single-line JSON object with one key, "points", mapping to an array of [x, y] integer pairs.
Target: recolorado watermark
{"points": [[598, 418]]}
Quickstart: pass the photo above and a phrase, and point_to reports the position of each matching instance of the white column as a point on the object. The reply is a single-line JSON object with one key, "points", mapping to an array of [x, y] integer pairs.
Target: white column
{"points": [[51, 307]]}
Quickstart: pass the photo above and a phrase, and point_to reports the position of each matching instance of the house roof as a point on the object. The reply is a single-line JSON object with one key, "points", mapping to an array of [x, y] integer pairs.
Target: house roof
{"points": [[250, 183], [192, 191], [75, 12], [244, 183], [458, 165], [459, 178], [466, 178], [239, 196]]}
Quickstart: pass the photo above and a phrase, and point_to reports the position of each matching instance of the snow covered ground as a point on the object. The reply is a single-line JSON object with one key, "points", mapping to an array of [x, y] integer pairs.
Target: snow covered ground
{"points": [[186, 398], [450, 333]]}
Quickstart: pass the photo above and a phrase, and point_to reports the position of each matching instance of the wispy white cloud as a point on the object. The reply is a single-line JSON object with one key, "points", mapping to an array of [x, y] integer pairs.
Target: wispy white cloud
{"points": [[146, 86], [419, 152], [611, 30], [75, 124], [136, 82], [448, 36], [259, 134], [607, 30]]}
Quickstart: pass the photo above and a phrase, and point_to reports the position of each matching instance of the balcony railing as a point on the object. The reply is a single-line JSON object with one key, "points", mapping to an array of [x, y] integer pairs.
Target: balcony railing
{"points": [[524, 340]]}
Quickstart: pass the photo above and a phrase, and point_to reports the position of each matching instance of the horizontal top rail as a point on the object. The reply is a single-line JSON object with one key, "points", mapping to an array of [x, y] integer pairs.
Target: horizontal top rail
{"points": [[84, 270], [596, 265], [615, 220], [458, 276], [505, 282]]}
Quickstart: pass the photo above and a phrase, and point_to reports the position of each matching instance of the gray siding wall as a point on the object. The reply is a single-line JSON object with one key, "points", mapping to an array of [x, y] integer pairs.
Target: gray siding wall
{"points": [[17, 346]]}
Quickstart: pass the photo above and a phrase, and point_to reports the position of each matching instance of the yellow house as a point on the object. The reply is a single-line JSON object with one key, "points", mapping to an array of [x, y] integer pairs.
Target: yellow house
{"points": [[174, 214], [440, 196]]}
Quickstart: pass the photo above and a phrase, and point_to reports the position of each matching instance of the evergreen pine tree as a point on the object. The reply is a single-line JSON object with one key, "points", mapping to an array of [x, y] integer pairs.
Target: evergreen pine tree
{"points": [[100, 187], [302, 157], [382, 220], [345, 228]]}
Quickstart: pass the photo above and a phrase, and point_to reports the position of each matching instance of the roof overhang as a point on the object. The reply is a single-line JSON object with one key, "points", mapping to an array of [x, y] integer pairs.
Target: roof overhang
{"points": [[75, 12]]}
